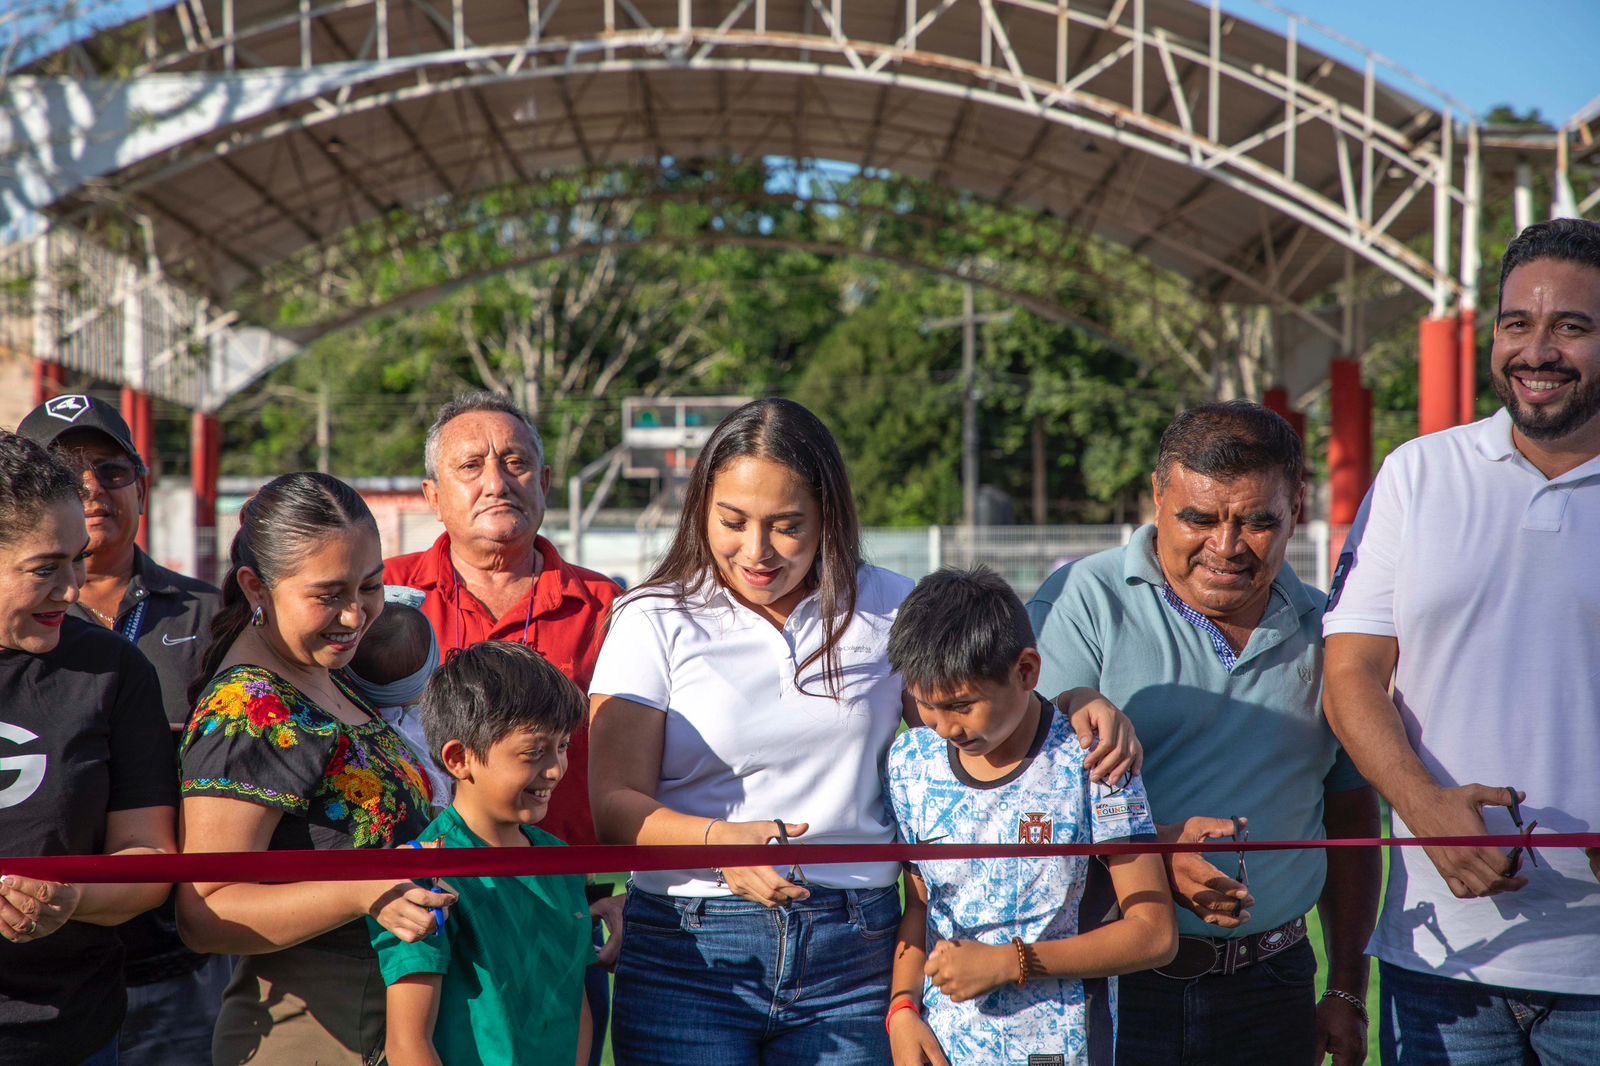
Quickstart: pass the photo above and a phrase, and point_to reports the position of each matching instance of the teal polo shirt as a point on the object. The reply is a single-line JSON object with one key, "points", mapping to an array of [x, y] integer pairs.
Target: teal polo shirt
{"points": [[513, 955], [1248, 741]]}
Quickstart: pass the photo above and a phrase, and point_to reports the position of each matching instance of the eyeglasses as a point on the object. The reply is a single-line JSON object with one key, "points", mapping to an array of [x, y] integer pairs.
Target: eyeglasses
{"points": [[112, 474], [1514, 856], [115, 474]]}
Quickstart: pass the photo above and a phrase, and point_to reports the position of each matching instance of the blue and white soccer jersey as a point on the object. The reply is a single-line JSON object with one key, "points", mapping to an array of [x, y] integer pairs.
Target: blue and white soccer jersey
{"points": [[1047, 799]]}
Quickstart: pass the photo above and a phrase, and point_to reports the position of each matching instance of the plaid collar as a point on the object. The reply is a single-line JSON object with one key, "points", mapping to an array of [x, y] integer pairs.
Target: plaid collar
{"points": [[1224, 650]]}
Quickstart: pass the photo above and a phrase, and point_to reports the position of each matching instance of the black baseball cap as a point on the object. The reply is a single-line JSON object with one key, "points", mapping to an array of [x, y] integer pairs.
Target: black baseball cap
{"points": [[75, 411]]}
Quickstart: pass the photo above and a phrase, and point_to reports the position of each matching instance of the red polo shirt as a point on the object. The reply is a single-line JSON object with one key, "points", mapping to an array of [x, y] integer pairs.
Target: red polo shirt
{"points": [[562, 619]]}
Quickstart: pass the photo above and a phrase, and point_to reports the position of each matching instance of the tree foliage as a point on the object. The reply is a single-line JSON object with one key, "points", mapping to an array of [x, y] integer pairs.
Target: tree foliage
{"points": [[744, 279]]}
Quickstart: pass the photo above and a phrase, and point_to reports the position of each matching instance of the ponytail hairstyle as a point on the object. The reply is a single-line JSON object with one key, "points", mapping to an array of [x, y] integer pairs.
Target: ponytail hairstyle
{"points": [[285, 520], [783, 432]]}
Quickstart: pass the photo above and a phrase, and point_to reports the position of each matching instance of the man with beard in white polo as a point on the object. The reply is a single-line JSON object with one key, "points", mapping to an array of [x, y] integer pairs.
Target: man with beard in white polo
{"points": [[1470, 583]]}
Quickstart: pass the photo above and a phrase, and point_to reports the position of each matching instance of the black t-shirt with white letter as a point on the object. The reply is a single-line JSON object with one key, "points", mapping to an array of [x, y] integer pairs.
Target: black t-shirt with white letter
{"points": [[82, 733]]}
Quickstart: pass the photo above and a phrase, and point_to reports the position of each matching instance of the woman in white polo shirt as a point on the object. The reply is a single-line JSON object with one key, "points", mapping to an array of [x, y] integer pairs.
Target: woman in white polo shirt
{"points": [[743, 694]]}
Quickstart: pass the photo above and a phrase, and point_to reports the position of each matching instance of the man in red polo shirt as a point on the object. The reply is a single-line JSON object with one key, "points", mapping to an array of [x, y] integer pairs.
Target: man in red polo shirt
{"points": [[490, 576]]}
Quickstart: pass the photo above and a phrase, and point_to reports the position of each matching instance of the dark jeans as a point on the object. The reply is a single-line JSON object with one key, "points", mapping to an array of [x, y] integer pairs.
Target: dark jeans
{"points": [[1426, 1020], [106, 1056], [169, 1022], [1262, 1015], [726, 982]]}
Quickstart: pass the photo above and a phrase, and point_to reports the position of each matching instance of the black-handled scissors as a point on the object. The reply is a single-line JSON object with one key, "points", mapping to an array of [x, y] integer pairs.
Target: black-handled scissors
{"points": [[1514, 856], [796, 875]]}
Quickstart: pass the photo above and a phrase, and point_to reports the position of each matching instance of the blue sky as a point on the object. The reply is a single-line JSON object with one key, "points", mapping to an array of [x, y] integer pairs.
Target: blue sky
{"points": [[1528, 53]]}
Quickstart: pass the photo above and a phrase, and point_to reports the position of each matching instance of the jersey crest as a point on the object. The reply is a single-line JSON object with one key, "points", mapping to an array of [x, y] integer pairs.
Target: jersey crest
{"points": [[1034, 828]]}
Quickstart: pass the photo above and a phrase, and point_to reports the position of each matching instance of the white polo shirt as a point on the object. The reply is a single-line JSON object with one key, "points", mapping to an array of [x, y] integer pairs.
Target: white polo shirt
{"points": [[1488, 574], [743, 742]]}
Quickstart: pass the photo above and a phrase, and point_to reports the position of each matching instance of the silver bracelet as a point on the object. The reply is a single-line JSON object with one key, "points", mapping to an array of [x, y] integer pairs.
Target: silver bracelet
{"points": [[1354, 1001]]}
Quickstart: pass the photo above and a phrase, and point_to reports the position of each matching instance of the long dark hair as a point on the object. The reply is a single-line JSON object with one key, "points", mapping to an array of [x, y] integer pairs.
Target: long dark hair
{"points": [[286, 518], [782, 432]]}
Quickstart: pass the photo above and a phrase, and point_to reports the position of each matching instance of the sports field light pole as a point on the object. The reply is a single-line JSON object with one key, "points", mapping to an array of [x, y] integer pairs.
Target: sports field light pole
{"points": [[969, 323]]}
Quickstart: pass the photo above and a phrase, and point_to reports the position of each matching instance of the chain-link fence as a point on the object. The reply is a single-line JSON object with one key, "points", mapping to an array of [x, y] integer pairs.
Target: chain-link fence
{"points": [[1026, 555], [1023, 555]]}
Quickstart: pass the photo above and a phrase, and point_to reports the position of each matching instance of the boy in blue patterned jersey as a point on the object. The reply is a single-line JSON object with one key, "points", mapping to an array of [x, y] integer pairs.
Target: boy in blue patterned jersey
{"points": [[1008, 961]]}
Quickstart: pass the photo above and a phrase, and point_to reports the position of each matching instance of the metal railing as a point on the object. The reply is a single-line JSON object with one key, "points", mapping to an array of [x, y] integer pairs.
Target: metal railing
{"points": [[1023, 555]]}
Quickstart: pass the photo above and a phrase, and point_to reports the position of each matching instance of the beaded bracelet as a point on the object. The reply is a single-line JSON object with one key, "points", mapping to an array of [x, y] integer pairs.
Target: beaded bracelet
{"points": [[1023, 969], [1354, 1001]]}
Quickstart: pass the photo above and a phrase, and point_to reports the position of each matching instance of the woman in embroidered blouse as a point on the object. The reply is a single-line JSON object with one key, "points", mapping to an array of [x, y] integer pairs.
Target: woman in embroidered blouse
{"points": [[281, 753]]}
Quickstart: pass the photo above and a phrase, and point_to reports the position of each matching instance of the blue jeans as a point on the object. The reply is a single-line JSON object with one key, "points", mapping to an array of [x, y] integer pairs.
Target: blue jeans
{"points": [[169, 1022], [1429, 1020], [727, 982], [1262, 1015]]}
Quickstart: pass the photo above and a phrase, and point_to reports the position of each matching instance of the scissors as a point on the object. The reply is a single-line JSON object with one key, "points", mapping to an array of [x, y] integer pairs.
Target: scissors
{"points": [[440, 915], [1514, 856], [796, 875]]}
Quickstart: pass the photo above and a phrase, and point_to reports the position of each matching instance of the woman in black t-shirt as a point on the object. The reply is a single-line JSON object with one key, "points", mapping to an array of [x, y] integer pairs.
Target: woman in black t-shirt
{"points": [[282, 753], [85, 742]]}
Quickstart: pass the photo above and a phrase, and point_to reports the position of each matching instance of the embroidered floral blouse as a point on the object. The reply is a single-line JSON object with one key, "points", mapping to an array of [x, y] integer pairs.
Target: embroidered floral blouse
{"points": [[255, 737]]}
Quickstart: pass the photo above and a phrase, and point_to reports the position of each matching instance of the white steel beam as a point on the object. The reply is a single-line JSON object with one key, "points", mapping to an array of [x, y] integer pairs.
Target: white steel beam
{"points": [[1091, 115]]}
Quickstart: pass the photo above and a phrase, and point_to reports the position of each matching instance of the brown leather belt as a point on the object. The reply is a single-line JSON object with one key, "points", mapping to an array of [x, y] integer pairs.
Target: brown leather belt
{"points": [[1200, 956]]}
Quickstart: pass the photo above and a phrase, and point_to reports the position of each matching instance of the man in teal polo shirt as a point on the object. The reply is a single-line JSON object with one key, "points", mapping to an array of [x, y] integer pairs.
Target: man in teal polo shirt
{"points": [[1208, 641]]}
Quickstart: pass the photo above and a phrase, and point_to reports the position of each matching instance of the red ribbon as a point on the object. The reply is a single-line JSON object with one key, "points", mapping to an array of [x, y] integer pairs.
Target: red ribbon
{"points": [[407, 863]]}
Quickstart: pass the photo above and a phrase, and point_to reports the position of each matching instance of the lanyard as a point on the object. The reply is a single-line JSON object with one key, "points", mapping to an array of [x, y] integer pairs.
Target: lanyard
{"points": [[461, 626], [528, 620], [135, 622]]}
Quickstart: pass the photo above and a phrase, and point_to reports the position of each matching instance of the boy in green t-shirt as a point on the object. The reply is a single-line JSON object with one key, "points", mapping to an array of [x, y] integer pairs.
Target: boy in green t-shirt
{"points": [[503, 981]]}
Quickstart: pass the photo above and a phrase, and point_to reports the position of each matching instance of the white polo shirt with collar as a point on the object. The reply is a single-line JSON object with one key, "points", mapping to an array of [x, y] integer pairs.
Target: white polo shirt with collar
{"points": [[743, 741], [1488, 575]]}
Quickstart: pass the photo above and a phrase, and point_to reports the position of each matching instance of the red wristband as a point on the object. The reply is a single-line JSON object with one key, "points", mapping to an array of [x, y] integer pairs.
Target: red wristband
{"points": [[904, 1004]]}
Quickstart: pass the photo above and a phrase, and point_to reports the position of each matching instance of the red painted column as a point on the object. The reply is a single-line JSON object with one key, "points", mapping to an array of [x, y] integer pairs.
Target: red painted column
{"points": [[49, 379], [137, 411], [205, 462], [1349, 441], [1366, 452], [1439, 374], [1276, 400], [1469, 366]]}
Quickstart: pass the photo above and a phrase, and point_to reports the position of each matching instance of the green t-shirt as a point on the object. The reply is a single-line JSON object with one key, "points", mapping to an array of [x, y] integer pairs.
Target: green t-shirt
{"points": [[513, 956]]}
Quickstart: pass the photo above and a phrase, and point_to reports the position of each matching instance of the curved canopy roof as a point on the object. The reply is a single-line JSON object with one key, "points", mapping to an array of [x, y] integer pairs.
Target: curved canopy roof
{"points": [[256, 131]]}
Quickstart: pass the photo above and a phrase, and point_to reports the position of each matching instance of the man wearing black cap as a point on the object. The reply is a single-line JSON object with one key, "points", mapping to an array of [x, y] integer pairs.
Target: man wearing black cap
{"points": [[172, 992]]}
